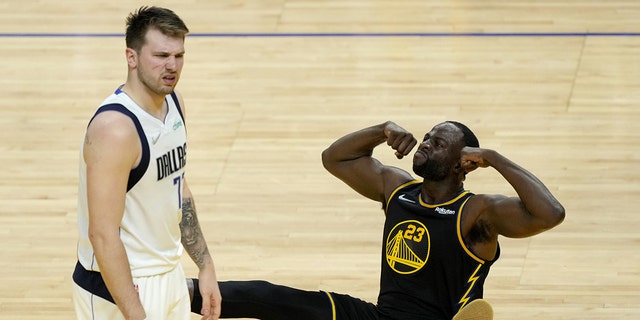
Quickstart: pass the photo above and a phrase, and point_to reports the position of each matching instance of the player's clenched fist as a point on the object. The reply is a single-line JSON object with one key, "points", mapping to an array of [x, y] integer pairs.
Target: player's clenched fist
{"points": [[401, 140]]}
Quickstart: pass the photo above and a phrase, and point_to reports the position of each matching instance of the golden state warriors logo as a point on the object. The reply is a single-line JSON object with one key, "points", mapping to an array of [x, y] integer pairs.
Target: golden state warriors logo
{"points": [[408, 247]]}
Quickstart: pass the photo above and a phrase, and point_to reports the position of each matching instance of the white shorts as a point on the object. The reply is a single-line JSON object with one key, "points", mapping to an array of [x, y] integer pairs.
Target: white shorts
{"points": [[163, 296]]}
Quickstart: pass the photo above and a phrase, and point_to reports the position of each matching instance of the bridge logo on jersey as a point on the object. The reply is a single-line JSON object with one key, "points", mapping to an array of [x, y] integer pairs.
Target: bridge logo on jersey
{"points": [[408, 246]]}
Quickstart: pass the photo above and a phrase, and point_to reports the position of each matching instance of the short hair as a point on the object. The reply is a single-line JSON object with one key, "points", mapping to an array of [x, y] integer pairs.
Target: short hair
{"points": [[469, 138], [145, 18]]}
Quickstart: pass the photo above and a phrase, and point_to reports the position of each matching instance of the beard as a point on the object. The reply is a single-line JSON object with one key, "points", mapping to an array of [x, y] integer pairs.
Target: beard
{"points": [[431, 170], [152, 85]]}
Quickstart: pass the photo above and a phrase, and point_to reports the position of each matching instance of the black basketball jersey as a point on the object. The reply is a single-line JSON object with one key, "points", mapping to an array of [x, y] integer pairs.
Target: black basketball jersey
{"points": [[427, 271]]}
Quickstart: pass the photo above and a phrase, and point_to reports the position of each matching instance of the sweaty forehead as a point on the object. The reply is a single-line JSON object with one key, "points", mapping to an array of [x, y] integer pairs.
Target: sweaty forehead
{"points": [[446, 127], [447, 131]]}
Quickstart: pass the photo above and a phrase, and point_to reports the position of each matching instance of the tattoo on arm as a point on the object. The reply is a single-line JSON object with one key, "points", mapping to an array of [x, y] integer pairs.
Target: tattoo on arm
{"points": [[192, 238]]}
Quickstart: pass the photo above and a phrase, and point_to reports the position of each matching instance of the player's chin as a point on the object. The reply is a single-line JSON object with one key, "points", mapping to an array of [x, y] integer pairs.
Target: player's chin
{"points": [[419, 160], [167, 89], [419, 170]]}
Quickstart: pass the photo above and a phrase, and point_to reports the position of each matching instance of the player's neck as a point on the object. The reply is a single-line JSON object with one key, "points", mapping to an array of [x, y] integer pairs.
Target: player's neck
{"points": [[149, 101], [434, 192]]}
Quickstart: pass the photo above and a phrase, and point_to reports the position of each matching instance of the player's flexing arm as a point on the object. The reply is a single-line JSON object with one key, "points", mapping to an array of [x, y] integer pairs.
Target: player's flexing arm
{"points": [[534, 210], [350, 159]]}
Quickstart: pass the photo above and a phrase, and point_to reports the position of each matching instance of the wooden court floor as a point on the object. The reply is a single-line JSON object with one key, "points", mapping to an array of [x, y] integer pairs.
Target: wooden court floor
{"points": [[556, 88]]}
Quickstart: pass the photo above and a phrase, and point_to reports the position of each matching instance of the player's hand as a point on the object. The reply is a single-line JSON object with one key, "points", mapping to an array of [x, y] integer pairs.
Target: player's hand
{"points": [[473, 158], [211, 297], [400, 140]]}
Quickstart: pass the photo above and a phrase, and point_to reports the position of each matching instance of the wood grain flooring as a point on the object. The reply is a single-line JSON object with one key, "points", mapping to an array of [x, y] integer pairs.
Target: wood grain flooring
{"points": [[556, 88]]}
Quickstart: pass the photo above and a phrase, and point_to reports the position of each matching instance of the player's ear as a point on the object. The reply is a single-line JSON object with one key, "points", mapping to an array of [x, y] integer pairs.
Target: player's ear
{"points": [[132, 57]]}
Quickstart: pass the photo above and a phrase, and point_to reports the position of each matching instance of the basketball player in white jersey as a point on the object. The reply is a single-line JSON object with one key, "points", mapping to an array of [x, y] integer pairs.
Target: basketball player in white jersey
{"points": [[136, 213]]}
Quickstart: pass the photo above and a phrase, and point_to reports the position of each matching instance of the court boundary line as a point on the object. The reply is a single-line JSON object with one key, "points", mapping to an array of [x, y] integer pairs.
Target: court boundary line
{"points": [[332, 34]]}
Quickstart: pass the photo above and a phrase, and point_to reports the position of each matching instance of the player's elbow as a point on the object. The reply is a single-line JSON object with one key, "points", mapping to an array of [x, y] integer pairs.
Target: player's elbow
{"points": [[559, 214], [328, 160], [100, 236], [96, 238], [555, 215]]}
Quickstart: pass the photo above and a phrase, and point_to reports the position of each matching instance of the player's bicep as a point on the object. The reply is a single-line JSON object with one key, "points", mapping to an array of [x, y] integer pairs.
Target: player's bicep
{"points": [[510, 218], [369, 177], [363, 175]]}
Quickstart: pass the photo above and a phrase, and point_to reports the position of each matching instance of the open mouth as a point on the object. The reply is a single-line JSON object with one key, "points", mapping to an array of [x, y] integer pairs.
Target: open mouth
{"points": [[170, 79]]}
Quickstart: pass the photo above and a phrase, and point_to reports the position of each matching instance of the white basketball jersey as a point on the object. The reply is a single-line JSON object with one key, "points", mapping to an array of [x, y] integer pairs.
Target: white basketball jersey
{"points": [[150, 228]]}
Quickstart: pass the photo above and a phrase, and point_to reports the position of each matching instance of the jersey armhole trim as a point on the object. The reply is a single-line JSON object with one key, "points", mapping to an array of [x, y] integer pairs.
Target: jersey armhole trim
{"points": [[136, 173], [459, 232], [174, 96]]}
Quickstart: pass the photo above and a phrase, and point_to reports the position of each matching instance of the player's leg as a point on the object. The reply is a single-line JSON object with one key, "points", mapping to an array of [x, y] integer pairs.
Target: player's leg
{"points": [[89, 306], [164, 296], [349, 308], [478, 309], [266, 301]]}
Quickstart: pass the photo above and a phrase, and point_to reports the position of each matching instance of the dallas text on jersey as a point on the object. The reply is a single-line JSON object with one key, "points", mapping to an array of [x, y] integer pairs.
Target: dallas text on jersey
{"points": [[171, 161]]}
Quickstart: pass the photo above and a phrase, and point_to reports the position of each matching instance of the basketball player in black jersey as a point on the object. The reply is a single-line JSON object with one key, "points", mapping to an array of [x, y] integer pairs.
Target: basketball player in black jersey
{"points": [[439, 239]]}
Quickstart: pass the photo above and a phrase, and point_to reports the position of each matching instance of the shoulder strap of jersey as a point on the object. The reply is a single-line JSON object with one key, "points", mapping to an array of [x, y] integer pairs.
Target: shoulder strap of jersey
{"points": [[136, 173], [174, 96], [398, 188]]}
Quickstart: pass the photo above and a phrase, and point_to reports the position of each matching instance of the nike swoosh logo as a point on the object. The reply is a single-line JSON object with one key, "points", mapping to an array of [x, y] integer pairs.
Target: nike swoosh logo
{"points": [[155, 139], [403, 198]]}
